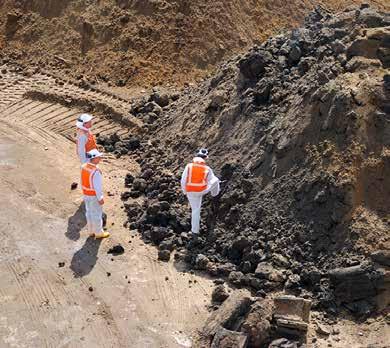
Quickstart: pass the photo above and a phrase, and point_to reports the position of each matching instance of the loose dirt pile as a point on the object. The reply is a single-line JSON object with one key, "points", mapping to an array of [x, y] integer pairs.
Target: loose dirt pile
{"points": [[299, 129], [142, 42]]}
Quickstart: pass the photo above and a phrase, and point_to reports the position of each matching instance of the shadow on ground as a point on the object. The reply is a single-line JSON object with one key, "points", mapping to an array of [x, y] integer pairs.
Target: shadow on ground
{"points": [[76, 223], [84, 260]]}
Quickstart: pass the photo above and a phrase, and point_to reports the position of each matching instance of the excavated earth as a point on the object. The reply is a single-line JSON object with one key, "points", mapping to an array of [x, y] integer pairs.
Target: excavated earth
{"points": [[298, 129], [143, 42]]}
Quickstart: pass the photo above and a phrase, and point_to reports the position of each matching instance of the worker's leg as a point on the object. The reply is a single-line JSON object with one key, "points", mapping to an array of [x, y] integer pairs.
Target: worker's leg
{"points": [[195, 200], [88, 214], [97, 220]]}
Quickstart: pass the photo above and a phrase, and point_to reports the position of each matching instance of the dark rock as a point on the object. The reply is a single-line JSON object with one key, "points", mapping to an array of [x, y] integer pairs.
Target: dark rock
{"points": [[73, 186], [355, 283], [132, 144], [12, 23], [164, 255], [267, 271], [386, 81], [147, 174], [61, 264], [234, 307], [217, 100], [294, 55], [160, 98], [338, 47], [229, 339], [322, 330], [257, 325], [236, 278], [152, 107], [263, 92], [219, 294], [373, 19], [116, 250], [293, 282], [158, 234], [253, 65], [382, 257], [139, 185], [166, 244], [201, 262], [129, 179], [283, 343], [125, 196]]}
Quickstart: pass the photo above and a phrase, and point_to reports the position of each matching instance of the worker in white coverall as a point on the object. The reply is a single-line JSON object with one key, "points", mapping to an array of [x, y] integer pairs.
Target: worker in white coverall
{"points": [[85, 139], [92, 186], [197, 180]]}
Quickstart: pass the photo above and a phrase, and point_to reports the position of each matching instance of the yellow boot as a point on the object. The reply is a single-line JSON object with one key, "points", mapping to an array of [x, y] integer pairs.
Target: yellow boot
{"points": [[102, 235]]}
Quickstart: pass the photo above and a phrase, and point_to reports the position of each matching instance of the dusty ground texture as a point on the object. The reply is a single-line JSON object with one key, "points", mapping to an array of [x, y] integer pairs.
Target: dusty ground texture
{"points": [[144, 42], [94, 299]]}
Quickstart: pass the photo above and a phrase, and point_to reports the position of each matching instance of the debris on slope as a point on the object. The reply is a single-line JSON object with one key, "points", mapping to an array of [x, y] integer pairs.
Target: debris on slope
{"points": [[298, 127]]}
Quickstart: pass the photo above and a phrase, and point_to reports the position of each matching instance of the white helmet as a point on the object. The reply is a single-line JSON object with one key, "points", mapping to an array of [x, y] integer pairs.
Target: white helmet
{"points": [[94, 153], [83, 118], [204, 153]]}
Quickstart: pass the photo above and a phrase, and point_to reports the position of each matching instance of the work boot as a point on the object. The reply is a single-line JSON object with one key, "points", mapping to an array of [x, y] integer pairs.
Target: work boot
{"points": [[102, 235], [194, 236]]}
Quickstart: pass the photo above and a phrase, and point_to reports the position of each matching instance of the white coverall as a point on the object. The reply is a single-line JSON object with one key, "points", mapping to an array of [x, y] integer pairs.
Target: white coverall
{"points": [[93, 210], [195, 198], [82, 139]]}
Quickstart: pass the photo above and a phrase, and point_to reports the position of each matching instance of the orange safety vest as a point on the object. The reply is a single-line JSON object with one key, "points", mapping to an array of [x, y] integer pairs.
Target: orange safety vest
{"points": [[88, 170], [196, 177], [91, 142]]}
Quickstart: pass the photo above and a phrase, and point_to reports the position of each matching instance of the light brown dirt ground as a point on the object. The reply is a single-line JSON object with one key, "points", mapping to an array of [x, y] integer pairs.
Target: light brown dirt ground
{"points": [[142, 304]]}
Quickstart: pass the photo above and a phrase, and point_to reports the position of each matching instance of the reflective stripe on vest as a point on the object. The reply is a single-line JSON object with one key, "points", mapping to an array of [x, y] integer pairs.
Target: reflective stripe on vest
{"points": [[196, 177], [88, 170]]}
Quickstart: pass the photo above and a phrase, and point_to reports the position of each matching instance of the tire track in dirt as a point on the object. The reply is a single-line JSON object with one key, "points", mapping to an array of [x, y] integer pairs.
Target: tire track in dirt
{"points": [[131, 316]]}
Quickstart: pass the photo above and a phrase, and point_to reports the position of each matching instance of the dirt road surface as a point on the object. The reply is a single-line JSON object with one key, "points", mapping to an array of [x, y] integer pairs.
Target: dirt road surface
{"points": [[96, 299]]}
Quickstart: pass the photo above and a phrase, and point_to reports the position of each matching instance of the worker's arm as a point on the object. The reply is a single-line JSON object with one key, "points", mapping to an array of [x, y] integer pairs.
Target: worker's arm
{"points": [[184, 179], [212, 183], [81, 142], [98, 186]]}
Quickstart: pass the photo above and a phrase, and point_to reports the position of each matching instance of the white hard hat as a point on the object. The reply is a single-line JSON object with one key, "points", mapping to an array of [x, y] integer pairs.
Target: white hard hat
{"points": [[203, 153], [83, 118], [94, 153]]}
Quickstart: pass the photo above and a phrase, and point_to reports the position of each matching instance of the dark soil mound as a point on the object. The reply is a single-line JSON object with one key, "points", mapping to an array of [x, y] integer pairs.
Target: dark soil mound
{"points": [[299, 128]]}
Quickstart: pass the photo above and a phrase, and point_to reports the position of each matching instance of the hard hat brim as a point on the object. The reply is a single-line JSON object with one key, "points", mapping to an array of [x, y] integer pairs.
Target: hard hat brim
{"points": [[95, 153], [86, 117]]}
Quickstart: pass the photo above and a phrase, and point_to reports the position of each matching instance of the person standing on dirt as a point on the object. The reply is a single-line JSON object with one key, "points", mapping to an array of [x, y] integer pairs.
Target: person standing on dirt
{"points": [[197, 180], [92, 186], [85, 139]]}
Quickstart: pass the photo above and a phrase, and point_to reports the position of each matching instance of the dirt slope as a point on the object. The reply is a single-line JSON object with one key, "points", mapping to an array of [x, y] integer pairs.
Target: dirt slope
{"points": [[298, 127], [143, 42]]}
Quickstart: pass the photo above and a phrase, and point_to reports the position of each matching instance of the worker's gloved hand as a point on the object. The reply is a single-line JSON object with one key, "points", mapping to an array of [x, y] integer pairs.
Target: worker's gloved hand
{"points": [[101, 202]]}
